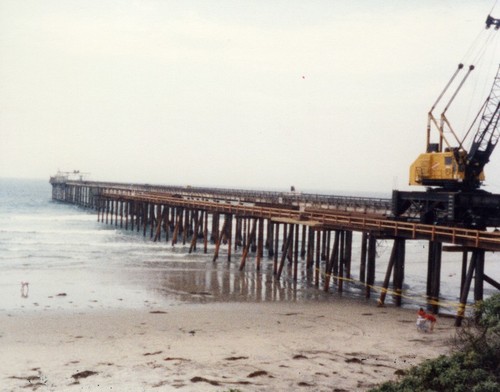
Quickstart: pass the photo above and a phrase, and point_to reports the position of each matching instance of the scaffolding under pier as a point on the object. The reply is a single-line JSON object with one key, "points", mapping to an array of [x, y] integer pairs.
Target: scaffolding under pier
{"points": [[311, 232]]}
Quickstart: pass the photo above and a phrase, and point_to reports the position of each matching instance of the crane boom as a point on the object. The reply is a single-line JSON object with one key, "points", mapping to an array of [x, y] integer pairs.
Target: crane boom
{"points": [[487, 134]]}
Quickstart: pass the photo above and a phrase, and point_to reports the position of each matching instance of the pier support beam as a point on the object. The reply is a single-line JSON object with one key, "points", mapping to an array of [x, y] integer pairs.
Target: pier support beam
{"points": [[370, 273], [479, 277], [465, 289], [399, 269], [362, 262], [248, 244], [334, 257], [390, 267], [296, 253], [434, 274], [286, 248]]}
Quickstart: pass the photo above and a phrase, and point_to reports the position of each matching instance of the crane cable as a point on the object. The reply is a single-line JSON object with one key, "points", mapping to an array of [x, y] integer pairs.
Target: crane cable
{"points": [[494, 5], [479, 46], [476, 55], [473, 45], [482, 62]]}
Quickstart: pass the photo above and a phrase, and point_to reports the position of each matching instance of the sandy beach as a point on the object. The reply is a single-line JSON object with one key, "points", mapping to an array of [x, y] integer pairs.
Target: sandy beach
{"points": [[343, 345], [110, 310]]}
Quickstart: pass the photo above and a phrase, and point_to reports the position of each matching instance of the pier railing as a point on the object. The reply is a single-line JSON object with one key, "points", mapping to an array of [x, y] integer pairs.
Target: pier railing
{"points": [[352, 203], [335, 220]]}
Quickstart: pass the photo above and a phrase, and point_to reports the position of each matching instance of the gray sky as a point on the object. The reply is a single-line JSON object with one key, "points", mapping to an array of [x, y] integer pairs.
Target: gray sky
{"points": [[324, 95]]}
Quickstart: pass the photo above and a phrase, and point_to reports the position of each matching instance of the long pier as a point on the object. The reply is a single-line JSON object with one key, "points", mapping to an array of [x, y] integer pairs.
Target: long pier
{"points": [[313, 232]]}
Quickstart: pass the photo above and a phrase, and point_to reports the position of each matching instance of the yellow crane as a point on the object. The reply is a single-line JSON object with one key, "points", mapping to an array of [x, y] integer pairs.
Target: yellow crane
{"points": [[452, 171], [450, 165]]}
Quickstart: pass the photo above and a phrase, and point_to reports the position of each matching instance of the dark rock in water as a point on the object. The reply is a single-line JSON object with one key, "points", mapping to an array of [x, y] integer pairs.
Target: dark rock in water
{"points": [[61, 295]]}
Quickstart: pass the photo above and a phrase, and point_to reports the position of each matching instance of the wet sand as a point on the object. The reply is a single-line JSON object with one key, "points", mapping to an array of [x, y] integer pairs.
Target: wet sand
{"points": [[341, 345]]}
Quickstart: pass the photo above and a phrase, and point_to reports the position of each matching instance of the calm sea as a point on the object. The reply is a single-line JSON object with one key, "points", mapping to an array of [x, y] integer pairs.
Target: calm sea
{"points": [[71, 261]]}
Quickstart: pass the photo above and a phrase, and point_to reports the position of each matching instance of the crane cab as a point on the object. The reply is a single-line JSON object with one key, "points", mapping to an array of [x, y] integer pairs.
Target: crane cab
{"points": [[445, 169]]}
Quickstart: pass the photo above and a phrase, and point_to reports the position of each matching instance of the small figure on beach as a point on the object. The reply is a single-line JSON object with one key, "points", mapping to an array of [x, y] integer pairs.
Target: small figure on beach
{"points": [[25, 288], [422, 324], [425, 321]]}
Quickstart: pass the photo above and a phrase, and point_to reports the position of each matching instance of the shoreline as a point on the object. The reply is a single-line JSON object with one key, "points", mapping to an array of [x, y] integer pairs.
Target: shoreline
{"points": [[343, 345]]}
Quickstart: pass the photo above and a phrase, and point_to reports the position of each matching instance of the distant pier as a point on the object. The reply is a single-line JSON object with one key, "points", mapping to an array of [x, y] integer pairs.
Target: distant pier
{"points": [[297, 230]]}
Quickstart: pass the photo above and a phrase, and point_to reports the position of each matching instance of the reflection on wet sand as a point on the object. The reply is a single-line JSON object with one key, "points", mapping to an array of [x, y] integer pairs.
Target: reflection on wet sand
{"points": [[205, 281]]}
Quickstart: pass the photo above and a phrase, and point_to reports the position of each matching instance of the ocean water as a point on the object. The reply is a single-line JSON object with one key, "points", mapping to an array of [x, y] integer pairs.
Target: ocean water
{"points": [[71, 261]]}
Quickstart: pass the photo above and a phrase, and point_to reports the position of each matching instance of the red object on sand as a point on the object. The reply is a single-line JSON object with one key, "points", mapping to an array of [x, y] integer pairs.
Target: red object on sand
{"points": [[430, 317]]}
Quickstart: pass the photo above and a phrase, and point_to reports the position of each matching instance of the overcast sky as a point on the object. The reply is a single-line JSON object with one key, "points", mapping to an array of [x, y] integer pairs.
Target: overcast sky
{"points": [[324, 95]]}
